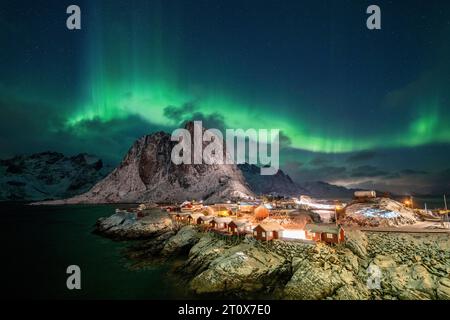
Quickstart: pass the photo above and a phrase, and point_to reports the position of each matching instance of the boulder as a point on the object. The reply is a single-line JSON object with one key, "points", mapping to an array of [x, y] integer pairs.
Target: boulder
{"points": [[202, 253], [443, 289], [241, 269], [312, 280], [355, 291], [405, 282], [185, 238], [357, 243], [126, 226]]}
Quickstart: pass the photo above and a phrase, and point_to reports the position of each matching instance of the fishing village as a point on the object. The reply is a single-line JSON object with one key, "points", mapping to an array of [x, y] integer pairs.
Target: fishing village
{"points": [[302, 219]]}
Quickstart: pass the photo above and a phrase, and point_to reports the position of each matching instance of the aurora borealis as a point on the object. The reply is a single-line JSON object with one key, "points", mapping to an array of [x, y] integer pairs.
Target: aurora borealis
{"points": [[310, 68]]}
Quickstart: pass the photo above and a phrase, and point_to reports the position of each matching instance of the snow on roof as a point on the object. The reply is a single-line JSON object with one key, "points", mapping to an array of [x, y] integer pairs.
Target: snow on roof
{"points": [[196, 215], [222, 220], [205, 218], [270, 226], [239, 223]]}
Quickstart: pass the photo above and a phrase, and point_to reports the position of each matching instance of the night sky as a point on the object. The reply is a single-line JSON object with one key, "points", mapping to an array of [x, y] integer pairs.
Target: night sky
{"points": [[356, 107]]}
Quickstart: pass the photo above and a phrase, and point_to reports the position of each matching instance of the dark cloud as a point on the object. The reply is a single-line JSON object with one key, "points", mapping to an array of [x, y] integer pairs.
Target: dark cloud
{"points": [[211, 121], [187, 112], [293, 166], [319, 161], [445, 174], [392, 176], [368, 171], [25, 126], [178, 114], [333, 170], [361, 156], [285, 141], [90, 136], [413, 172], [43, 127], [324, 173]]}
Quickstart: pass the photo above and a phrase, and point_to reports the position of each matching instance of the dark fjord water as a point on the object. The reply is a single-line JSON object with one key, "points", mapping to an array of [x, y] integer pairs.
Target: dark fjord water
{"points": [[39, 242]]}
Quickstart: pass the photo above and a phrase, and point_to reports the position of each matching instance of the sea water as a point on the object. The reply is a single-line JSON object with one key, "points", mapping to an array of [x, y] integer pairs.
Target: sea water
{"points": [[40, 242]]}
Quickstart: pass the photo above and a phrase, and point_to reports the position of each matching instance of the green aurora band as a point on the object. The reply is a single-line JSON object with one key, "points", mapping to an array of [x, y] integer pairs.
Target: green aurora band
{"points": [[128, 74], [148, 101]]}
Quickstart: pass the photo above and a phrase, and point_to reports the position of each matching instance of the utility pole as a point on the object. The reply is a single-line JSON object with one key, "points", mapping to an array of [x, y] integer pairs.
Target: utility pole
{"points": [[446, 210], [335, 213]]}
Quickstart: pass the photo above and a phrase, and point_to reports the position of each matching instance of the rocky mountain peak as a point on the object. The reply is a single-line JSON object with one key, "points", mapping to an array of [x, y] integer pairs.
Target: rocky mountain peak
{"points": [[147, 173]]}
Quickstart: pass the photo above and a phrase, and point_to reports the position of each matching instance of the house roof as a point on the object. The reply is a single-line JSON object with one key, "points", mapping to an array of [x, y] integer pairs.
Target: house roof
{"points": [[205, 218], [196, 215], [239, 223], [222, 220], [270, 226], [323, 228]]}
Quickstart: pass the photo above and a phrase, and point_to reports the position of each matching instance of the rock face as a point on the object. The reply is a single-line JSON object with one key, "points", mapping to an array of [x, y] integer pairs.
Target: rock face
{"points": [[407, 267], [125, 226], [183, 240], [325, 273], [239, 269], [411, 267], [147, 174], [48, 175], [378, 212], [357, 243]]}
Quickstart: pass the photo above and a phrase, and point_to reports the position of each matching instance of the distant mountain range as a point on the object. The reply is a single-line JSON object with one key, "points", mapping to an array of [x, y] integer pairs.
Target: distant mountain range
{"points": [[49, 175], [282, 184], [145, 174]]}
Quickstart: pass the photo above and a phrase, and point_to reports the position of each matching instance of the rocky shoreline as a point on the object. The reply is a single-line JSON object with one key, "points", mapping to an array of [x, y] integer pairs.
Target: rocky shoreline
{"points": [[368, 266]]}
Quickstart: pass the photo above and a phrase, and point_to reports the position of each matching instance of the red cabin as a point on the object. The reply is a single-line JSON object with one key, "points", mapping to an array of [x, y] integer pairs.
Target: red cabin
{"points": [[219, 223], [325, 233], [237, 227], [268, 231]]}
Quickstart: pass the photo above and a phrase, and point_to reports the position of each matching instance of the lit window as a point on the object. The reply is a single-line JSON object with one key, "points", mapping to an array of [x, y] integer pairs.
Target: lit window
{"points": [[269, 234], [264, 234], [329, 236]]}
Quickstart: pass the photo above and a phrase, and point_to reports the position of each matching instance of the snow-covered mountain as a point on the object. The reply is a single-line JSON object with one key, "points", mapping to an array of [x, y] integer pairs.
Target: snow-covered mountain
{"points": [[48, 175], [145, 174], [281, 184], [320, 189], [277, 184], [148, 174]]}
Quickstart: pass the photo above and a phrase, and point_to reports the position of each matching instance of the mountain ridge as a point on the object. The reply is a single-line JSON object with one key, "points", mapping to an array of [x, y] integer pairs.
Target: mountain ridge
{"points": [[147, 173], [48, 175]]}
